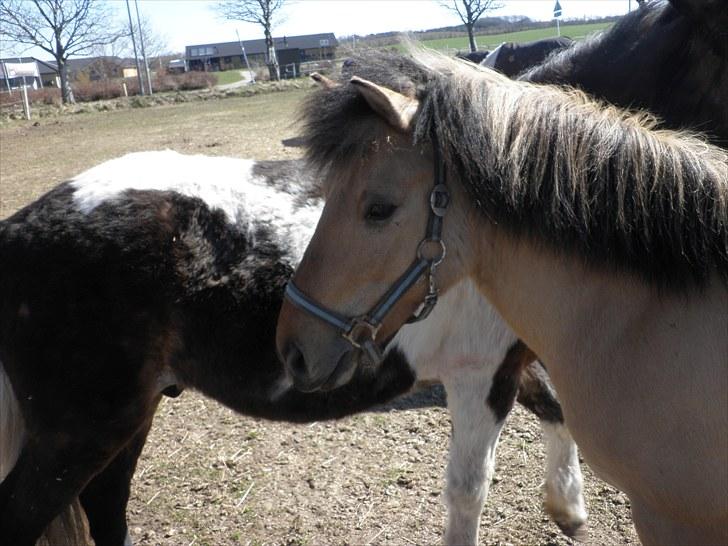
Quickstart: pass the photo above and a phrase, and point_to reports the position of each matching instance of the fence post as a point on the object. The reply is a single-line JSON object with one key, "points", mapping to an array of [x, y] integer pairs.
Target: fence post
{"points": [[123, 86], [26, 103]]}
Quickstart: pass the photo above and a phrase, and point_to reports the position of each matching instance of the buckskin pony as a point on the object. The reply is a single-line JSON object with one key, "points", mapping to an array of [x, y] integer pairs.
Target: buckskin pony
{"points": [[600, 238]]}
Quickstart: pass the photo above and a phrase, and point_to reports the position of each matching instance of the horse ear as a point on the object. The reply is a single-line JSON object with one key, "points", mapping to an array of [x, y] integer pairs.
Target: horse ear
{"points": [[397, 109], [323, 81]]}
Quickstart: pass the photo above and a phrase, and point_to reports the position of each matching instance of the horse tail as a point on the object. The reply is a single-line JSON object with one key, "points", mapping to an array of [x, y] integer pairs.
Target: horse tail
{"points": [[12, 428]]}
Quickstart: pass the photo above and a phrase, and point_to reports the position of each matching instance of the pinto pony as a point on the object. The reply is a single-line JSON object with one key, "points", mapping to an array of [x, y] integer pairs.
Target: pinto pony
{"points": [[114, 291], [600, 238]]}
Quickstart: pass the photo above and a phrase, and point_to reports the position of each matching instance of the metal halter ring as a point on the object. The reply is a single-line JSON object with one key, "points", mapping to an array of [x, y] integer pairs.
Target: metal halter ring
{"points": [[360, 325], [437, 258], [368, 346]]}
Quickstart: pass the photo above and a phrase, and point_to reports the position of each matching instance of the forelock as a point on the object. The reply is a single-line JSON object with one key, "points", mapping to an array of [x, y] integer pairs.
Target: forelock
{"points": [[338, 124]]}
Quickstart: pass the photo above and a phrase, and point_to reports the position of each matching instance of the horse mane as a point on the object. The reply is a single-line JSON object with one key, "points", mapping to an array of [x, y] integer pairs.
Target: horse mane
{"points": [[550, 164]]}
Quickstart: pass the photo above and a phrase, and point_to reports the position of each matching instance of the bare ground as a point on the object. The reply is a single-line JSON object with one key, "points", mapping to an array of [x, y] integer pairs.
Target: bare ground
{"points": [[208, 476]]}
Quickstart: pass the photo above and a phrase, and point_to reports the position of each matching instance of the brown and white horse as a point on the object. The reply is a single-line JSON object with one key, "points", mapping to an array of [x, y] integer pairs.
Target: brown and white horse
{"points": [[600, 238]]}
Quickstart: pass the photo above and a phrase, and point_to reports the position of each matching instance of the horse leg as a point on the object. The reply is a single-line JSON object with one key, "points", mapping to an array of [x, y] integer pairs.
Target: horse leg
{"points": [[105, 497], [69, 528], [51, 471], [564, 500], [475, 432]]}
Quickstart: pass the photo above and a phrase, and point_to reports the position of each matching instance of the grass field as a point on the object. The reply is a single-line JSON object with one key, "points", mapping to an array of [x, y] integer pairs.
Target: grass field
{"points": [[490, 41], [210, 477], [228, 76], [247, 126]]}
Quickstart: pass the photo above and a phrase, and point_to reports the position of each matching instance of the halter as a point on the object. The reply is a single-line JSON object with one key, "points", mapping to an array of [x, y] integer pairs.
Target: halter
{"points": [[361, 331]]}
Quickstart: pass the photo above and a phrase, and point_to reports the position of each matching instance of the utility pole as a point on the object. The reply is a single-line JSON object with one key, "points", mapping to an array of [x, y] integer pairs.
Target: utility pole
{"points": [[245, 56], [133, 43], [144, 53], [7, 79]]}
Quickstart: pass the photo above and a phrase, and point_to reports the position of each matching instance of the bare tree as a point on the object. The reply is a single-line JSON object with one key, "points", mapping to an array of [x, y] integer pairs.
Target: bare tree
{"points": [[60, 27], [155, 43], [469, 12], [265, 13]]}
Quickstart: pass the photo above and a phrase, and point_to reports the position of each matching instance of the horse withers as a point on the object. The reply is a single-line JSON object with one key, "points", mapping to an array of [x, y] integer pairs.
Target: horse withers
{"points": [[600, 238], [114, 290]]}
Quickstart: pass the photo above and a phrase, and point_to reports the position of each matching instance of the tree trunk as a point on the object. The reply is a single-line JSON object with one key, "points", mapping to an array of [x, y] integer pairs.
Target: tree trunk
{"points": [[471, 38], [66, 91], [271, 57]]}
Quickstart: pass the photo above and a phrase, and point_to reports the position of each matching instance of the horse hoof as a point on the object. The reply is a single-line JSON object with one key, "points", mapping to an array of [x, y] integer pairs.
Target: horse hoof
{"points": [[576, 530]]}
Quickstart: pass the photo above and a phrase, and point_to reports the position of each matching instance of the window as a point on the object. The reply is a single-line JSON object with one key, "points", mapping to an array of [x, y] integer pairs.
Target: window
{"points": [[324, 42], [193, 52]]}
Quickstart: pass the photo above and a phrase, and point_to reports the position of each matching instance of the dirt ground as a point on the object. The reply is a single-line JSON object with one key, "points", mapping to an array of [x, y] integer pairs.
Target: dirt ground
{"points": [[211, 477]]}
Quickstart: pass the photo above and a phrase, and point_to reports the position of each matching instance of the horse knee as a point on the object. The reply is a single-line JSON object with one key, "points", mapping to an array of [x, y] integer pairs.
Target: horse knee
{"points": [[564, 500]]}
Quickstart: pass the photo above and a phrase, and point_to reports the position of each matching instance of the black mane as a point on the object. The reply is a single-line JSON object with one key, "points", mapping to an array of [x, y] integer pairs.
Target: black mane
{"points": [[551, 165]]}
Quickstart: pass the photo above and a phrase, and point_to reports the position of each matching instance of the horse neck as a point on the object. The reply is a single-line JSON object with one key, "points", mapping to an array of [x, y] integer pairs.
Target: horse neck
{"points": [[555, 303]]}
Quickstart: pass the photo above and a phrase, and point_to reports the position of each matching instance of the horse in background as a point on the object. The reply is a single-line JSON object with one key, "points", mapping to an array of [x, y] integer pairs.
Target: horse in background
{"points": [[670, 58], [473, 56], [511, 58], [600, 238], [117, 290]]}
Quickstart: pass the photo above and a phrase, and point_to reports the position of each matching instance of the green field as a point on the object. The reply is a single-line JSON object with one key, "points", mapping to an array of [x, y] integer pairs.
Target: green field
{"points": [[228, 76], [576, 32]]}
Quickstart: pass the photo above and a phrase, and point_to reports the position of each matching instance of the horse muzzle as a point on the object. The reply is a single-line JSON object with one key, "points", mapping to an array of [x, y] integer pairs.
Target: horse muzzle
{"points": [[316, 374]]}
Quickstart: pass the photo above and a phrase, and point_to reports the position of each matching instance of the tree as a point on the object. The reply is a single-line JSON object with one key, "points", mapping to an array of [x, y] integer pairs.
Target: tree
{"points": [[469, 12], [155, 43], [265, 13], [61, 27]]}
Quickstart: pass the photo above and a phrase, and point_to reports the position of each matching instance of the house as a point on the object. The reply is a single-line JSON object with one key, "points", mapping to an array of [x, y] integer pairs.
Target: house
{"points": [[290, 50], [177, 66], [18, 71], [98, 68]]}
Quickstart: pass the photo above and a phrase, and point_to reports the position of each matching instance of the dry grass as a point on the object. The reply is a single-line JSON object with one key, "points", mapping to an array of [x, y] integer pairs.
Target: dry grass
{"points": [[210, 477]]}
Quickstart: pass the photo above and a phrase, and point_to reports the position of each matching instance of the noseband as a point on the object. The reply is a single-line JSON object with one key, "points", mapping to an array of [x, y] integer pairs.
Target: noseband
{"points": [[361, 331]]}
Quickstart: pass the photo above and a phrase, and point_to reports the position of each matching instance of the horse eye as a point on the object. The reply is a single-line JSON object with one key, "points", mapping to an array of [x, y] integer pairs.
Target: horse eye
{"points": [[379, 211]]}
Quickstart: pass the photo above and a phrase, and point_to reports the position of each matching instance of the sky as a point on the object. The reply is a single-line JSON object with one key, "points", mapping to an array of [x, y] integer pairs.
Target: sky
{"points": [[190, 22]]}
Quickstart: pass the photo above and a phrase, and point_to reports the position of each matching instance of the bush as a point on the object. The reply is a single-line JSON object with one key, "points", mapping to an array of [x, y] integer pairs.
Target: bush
{"points": [[98, 90], [91, 91], [47, 95]]}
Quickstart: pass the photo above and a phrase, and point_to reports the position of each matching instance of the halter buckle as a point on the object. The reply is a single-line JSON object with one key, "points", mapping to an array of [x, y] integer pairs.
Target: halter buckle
{"points": [[359, 326], [361, 334]]}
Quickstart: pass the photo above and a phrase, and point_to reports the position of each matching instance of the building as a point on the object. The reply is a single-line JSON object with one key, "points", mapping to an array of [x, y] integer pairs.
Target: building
{"points": [[18, 71], [290, 50], [98, 68]]}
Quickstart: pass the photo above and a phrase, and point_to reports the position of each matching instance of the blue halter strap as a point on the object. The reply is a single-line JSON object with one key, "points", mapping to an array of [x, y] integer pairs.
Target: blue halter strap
{"points": [[361, 331]]}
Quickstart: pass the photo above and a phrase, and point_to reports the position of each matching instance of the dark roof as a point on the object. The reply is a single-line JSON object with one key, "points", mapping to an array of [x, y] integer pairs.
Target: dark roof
{"points": [[253, 47], [76, 65]]}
